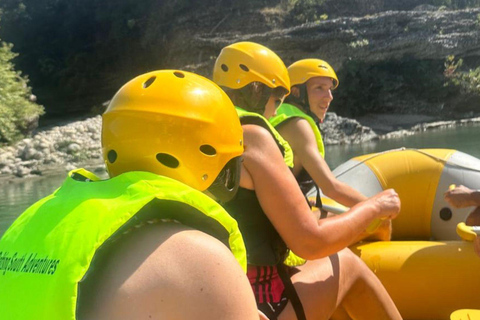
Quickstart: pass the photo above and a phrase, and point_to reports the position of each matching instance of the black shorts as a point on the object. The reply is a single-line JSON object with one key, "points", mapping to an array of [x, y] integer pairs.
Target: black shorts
{"points": [[273, 309]]}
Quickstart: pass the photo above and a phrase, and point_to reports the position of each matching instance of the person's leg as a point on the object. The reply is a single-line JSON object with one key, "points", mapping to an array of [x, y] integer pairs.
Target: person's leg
{"points": [[341, 280], [340, 314], [473, 218], [169, 271]]}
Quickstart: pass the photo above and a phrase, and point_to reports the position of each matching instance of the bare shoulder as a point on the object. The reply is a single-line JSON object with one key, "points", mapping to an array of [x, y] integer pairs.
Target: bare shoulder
{"points": [[165, 271], [261, 152], [297, 131], [257, 136]]}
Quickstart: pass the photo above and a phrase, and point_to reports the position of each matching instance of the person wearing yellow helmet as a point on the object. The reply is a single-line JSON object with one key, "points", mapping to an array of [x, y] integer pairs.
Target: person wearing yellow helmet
{"points": [[274, 217], [146, 243], [312, 83]]}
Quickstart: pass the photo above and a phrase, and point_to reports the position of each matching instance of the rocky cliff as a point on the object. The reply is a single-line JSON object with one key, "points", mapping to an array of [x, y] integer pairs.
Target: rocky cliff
{"points": [[387, 62]]}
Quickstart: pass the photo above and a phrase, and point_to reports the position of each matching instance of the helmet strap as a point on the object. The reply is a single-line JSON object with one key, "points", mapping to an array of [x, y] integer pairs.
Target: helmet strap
{"points": [[255, 97], [305, 103], [225, 185], [302, 101]]}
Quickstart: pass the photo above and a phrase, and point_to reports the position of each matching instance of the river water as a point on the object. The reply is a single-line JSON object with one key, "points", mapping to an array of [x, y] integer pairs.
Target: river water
{"points": [[17, 196]]}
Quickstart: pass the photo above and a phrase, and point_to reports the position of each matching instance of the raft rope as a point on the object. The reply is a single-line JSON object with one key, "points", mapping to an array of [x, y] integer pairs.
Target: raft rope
{"points": [[445, 162]]}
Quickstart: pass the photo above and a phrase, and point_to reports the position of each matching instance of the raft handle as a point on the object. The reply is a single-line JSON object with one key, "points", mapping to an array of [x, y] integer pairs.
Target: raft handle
{"points": [[468, 233]]}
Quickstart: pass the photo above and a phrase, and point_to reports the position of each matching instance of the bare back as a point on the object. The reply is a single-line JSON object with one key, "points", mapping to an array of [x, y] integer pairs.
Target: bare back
{"points": [[168, 271]]}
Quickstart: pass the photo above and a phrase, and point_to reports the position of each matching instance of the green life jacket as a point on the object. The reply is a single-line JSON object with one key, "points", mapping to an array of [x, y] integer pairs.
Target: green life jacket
{"points": [[287, 111], [257, 119], [254, 118], [52, 246]]}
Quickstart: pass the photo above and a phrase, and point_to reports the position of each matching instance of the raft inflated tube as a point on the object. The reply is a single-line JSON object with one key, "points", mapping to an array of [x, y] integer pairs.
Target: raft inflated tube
{"points": [[420, 177], [465, 314], [426, 279]]}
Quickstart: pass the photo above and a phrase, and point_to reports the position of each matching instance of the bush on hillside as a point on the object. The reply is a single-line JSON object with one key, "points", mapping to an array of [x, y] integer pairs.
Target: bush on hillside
{"points": [[17, 112], [467, 81]]}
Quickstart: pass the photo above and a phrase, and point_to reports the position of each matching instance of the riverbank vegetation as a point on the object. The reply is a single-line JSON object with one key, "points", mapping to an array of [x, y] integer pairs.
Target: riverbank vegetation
{"points": [[468, 81], [17, 110]]}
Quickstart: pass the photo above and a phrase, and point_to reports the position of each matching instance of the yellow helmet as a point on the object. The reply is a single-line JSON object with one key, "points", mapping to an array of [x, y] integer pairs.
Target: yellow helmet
{"points": [[242, 63], [172, 123], [302, 70]]}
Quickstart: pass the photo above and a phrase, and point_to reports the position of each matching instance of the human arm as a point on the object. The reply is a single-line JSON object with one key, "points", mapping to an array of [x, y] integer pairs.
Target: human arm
{"points": [[461, 197], [300, 136], [285, 206]]}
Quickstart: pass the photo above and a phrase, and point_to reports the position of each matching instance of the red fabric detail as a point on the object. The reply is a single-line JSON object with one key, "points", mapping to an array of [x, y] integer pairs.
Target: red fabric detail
{"points": [[266, 283]]}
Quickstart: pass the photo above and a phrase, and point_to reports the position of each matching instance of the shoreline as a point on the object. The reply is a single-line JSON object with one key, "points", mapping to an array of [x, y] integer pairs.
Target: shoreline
{"points": [[59, 149]]}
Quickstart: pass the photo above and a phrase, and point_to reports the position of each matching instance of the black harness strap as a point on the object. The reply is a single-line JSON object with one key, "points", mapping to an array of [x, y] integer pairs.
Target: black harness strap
{"points": [[290, 292]]}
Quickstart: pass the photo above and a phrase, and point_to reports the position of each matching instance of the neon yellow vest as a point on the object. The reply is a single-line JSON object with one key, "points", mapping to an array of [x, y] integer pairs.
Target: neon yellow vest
{"points": [[288, 111], [255, 118], [50, 247]]}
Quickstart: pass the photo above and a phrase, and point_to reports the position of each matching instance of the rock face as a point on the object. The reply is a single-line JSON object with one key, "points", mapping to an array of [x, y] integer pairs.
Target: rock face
{"points": [[340, 130], [382, 36], [388, 54], [387, 62]]}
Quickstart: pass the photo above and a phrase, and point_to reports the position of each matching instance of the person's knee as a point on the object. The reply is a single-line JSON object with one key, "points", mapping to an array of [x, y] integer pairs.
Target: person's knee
{"points": [[347, 258], [473, 218], [352, 269]]}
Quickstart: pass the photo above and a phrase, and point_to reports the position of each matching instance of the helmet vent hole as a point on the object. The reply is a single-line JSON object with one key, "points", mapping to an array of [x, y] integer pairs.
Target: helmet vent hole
{"points": [[149, 82], [167, 160], [208, 150], [224, 67], [179, 74], [112, 156], [244, 67]]}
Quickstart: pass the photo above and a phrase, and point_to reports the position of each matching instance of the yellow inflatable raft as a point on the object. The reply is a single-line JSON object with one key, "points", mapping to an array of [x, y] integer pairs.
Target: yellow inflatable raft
{"points": [[429, 270], [421, 177], [466, 314]]}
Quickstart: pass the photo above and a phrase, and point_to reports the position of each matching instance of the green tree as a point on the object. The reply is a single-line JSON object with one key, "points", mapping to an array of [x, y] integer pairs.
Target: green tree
{"points": [[17, 110], [467, 81]]}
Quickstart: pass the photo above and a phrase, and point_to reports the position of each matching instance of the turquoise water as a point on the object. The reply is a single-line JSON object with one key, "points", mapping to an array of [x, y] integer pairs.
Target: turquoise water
{"points": [[465, 139], [16, 197]]}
